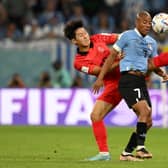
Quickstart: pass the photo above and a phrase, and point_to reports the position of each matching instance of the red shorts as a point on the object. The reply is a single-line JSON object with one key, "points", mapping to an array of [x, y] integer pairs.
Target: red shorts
{"points": [[110, 94]]}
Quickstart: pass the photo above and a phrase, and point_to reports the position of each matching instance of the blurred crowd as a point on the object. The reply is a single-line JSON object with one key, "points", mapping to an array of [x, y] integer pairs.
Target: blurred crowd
{"points": [[26, 20], [36, 19], [60, 78]]}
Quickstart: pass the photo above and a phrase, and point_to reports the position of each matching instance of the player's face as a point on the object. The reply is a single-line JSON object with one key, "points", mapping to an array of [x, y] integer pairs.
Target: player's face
{"points": [[144, 24], [82, 37]]}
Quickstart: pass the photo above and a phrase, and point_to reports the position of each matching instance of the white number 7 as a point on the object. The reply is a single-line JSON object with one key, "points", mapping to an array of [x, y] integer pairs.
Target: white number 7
{"points": [[139, 93]]}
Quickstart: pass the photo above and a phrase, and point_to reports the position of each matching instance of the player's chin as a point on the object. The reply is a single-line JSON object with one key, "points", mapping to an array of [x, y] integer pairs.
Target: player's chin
{"points": [[86, 44], [147, 31]]}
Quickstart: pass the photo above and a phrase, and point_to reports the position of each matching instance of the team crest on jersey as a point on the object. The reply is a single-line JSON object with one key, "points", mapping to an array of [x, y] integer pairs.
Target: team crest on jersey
{"points": [[150, 46], [100, 49]]}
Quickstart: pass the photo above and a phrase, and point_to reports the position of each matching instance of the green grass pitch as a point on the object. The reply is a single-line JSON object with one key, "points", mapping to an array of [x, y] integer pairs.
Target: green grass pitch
{"points": [[66, 147]]}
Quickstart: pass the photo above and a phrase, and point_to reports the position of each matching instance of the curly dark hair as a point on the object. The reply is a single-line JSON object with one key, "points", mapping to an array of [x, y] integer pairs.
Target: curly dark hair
{"points": [[70, 28]]}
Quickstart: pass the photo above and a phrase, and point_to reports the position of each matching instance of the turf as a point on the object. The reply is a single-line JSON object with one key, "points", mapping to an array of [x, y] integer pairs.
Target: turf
{"points": [[66, 147]]}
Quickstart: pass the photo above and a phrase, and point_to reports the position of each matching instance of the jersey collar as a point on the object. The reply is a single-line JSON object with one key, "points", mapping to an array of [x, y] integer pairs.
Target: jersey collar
{"points": [[138, 33]]}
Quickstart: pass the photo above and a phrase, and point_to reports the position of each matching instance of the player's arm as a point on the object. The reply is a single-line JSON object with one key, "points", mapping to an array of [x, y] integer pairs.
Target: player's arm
{"points": [[96, 70], [107, 64], [161, 73], [105, 69], [160, 60], [93, 69], [87, 68], [155, 59], [157, 70]]}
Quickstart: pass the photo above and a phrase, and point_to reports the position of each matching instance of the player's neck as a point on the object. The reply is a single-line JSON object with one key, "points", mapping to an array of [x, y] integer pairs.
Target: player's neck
{"points": [[83, 48]]}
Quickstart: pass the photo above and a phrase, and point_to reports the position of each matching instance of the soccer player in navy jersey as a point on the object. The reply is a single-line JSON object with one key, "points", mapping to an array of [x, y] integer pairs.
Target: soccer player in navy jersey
{"points": [[138, 47]]}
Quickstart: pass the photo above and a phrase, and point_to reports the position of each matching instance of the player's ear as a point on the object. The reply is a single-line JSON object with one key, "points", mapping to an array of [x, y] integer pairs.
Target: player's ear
{"points": [[73, 41]]}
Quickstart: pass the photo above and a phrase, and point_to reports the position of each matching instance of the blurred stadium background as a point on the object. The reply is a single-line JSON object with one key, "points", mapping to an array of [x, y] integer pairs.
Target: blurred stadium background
{"points": [[38, 84], [35, 54]]}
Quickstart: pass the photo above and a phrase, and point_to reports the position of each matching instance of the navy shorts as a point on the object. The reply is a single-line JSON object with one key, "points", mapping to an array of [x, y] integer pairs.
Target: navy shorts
{"points": [[133, 89]]}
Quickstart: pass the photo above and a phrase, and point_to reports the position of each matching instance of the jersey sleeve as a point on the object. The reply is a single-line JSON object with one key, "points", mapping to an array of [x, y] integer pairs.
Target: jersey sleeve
{"points": [[121, 42], [84, 67], [105, 37]]}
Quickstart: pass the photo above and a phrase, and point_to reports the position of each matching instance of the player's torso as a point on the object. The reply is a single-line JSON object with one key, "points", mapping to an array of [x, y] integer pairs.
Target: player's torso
{"points": [[97, 55], [137, 51]]}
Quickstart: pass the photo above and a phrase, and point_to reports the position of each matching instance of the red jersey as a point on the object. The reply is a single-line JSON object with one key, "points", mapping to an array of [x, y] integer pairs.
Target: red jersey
{"points": [[98, 52], [161, 60]]}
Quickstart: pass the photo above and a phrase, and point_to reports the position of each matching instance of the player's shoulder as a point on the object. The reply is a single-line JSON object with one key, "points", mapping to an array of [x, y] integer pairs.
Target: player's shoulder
{"points": [[150, 39], [95, 38], [128, 32], [101, 37], [125, 34]]}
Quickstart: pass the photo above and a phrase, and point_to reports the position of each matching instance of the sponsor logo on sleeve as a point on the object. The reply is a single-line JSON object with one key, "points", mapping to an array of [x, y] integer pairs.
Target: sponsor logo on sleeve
{"points": [[85, 69]]}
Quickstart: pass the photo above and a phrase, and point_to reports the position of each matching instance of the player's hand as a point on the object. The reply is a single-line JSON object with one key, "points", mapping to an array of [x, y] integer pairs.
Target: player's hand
{"points": [[165, 78], [97, 85], [120, 55]]}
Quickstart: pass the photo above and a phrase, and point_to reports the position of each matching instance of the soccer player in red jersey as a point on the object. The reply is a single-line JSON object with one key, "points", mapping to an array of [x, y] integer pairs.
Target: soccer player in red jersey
{"points": [[91, 54]]}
